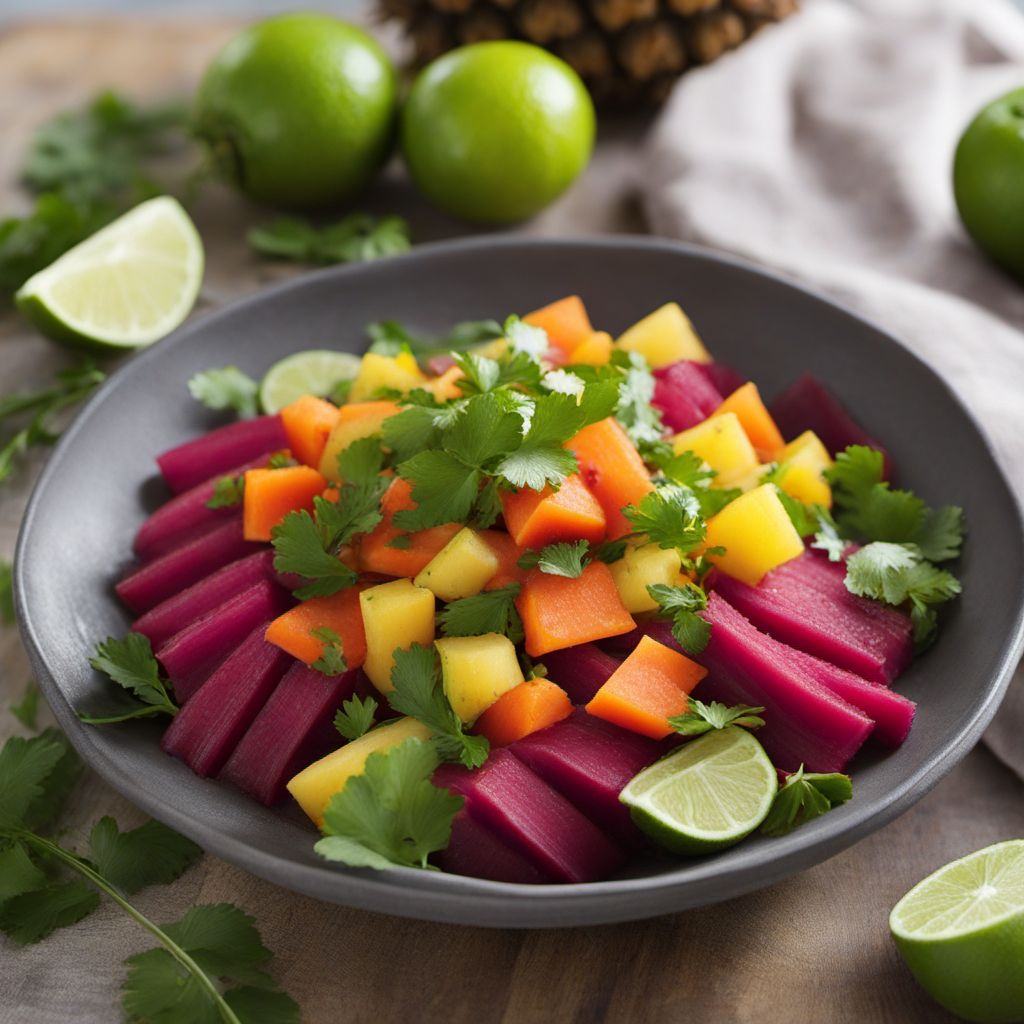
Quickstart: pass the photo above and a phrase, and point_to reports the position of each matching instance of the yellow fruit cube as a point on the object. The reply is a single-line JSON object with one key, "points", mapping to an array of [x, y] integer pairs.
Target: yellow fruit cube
{"points": [[395, 614], [401, 373], [461, 568], [358, 421], [641, 567], [723, 444], [476, 671], [804, 484], [314, 786], [664, 337], [491, 349], [807, 450], [756, 533], [595, 351]]}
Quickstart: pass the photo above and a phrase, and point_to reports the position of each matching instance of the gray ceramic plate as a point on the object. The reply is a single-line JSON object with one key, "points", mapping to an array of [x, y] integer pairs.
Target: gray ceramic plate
{"points": [[100, 482]]}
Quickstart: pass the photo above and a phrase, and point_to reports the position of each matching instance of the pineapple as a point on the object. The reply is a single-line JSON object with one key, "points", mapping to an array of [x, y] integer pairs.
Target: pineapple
{"points": [[627, 51]]}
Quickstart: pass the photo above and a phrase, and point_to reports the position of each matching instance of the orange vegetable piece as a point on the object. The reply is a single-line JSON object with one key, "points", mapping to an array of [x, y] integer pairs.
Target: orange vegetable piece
{"points": [[508, 554], [375, 552], [446, 387], [613, 470], [528, 707], [270, 494], [560, 612], [307, 422], [647, 689], [755, 419], [566, 322], [595, 351], [357, 410], [536, 518], [293, 631]]}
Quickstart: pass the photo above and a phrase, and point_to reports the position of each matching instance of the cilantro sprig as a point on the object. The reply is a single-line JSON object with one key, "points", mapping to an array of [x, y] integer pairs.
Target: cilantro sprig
{"points": [[226, 387], [130, 663], [389, 338], [26, 708], [561, 559], [682, 604], [228, 492], [805, 796], [700, 718], [356, 716], [357, 238], [332, 656], [491, 611]]}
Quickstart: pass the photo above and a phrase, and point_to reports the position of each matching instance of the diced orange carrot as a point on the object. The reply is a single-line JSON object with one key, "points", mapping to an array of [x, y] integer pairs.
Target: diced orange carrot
{"points": [[331, 493], [755, 419], [536, 518], [561, 612], [377, 552], [446, 387], [508, 554], [595, 351], [307, 421], [565, 321], [613, 470], [293, 631], [647, 689], [526, 708], [270, 494]]}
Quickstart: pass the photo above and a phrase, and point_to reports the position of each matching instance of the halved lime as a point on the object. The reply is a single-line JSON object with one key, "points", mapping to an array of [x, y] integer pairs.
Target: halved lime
{"points": [[707, 795], [961, 933], [128, 285], [315, 372]]}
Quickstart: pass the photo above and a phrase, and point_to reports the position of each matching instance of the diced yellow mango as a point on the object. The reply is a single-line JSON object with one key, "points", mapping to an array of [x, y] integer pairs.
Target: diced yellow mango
{"points": [[640, 567], [461, 568], [723, 444], [664, 337], [476, 671], [401, 373], [314, 786], [804, 484], [347, 430], [756, 533], [395, 614], [807, 450]]}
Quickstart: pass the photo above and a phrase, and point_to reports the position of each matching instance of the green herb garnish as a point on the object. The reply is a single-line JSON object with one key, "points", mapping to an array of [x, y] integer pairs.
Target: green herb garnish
{"points": [[491, 611], [357, 238], [701, 718], [355, 717], [805, 796], [682, 604], [226, 387], [130, 663]]}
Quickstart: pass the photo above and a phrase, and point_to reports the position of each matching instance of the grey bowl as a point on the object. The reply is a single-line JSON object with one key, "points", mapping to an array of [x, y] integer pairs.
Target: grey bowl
{"points": [[100, 483]]}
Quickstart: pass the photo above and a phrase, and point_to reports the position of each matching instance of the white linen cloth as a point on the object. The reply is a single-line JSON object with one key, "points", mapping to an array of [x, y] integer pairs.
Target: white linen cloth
{"points": [[824, 148]]}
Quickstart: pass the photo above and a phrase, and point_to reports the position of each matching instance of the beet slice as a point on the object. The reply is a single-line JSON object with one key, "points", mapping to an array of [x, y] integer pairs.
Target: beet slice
{"points": [[805, 722], [527, 814], [475, 850], [581, 671], [216, 452], [207, 729], [809, 405], [685, 394], [590, 761], [805, 603], [191, 655], [725, 379], [174, 614], [656, 629], [169, 574], [294, 729]]}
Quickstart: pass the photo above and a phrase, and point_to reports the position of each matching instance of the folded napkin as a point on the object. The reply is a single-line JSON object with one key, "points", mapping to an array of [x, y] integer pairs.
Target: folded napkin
{"points": [[823, 148]]}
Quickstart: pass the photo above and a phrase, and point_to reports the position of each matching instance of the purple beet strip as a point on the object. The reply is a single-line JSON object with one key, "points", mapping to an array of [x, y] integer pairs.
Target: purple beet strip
{"points": [[475, 850], [685, 394], [581, 671]]}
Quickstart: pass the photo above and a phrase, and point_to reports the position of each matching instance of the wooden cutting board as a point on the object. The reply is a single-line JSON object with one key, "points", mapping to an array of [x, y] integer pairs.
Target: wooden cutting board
{"points": [[812, 949]]}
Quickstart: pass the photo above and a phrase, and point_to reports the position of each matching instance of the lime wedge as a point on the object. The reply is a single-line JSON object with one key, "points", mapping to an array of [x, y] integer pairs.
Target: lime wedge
{"points": [[315, 372], [961, 933], [128, 285], [707, 795]]}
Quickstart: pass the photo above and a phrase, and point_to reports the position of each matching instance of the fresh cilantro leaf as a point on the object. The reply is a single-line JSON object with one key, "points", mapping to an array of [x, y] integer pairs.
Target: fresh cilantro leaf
{"points": [[827, 538], [700, 717], [856, 472], [6, 593], [356, 717], [941, 533], [487, 507], [610, 551], [339, 391], [670, 517], [689, 470], [412, 430], [634, 409], [332, 657], [361, 462], [228, 491], [281, 460], [391, 815], [25, 766], [418, 693], [299, 548], [31, 916], [151, 854], [388, 337], [225, 387], [491, 611], [482, 374], [682, 604], [803, 517], [26, 709], [130, 663], [563, 382], [526, 338], [561, 559], [483, 430], [18, 873], [536, 466], [357, 238], [58, 784], [444, 490], [805, 796]]}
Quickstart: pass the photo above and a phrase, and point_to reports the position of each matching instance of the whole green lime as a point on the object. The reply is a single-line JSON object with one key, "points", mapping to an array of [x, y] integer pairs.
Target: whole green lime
{"points": [[298, 110], [493, 132], [988, 180]]}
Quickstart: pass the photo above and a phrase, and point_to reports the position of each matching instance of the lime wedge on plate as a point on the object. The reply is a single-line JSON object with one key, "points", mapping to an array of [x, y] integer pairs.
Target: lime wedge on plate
{"points": [[961, 933], [128, 285], [316, 372], [705, 796]]}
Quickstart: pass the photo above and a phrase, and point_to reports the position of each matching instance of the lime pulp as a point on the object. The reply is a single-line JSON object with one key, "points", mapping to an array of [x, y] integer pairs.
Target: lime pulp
{"points": [[315, 372]]}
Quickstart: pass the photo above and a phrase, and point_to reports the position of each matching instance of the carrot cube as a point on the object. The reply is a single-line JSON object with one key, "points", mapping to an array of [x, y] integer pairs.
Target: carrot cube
{"points": [[565, 321], [270, 494], [308, 422], [528, 707], [536, 518], [293, 631], [755, 419]]}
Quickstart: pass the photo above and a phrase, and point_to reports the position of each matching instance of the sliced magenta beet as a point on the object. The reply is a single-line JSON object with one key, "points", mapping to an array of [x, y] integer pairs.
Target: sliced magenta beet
{"points": [[809, 405], [190, 656], [524, 812], [216, 452], [805, 722], [725, 379], [685, 394], [174, 614], [656, 629], [805, 603], [294, 729], [156, 581], [581, 671], [589, 761], [475, 850], [207, 729]]}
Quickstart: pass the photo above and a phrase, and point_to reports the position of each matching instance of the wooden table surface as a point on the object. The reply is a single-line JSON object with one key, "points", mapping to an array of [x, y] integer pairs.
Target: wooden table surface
{"points": [[812, 949]]}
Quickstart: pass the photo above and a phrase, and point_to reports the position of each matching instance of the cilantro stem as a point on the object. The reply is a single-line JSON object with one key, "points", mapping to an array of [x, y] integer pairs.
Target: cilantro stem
{"points": [[82, 867]]}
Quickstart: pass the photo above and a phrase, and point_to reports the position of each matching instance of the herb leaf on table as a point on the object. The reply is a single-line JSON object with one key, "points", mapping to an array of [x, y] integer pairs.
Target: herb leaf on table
{"points": [[357, 238], [130, 663], [226, 387]]}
